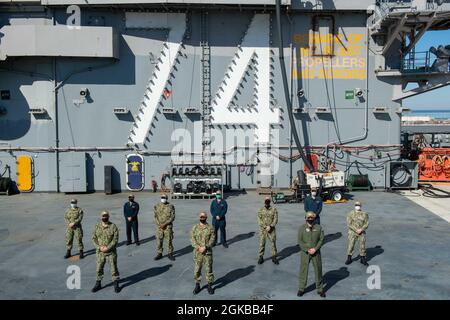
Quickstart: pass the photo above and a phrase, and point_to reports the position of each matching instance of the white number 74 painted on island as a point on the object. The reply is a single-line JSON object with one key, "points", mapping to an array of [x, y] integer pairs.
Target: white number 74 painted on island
{"points": [[254, 53]]}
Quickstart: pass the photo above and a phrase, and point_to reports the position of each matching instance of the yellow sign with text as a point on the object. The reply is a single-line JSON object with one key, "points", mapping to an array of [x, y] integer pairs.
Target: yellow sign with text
{"points": [[319, 56]]}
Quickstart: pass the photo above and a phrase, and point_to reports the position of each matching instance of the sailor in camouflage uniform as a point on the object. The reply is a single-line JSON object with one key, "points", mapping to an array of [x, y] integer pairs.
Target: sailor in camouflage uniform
{"points": [[357, 222], [267, 220], [105, 239], [164, 217], [73, 218], [202, 238]]}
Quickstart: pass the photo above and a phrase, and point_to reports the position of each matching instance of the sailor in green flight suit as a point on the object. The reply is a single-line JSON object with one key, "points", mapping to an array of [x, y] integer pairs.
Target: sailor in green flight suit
{"points": [[310, 240]]}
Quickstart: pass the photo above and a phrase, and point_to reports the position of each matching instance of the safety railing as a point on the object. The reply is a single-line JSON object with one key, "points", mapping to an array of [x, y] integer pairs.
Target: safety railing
{"points": [[417, 62], [385, 7], [391, 5], [424, 62]]}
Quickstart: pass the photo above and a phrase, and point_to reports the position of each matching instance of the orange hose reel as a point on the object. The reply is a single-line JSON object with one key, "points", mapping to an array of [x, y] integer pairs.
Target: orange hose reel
{"points": [[434, 164]]}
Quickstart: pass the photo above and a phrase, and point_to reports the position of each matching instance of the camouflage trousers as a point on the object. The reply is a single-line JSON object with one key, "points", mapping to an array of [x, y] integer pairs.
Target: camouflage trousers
{"points": [[168, 235], [272, 237], [201, 260], [352, 238], [71, 233], [101, 260], [316, 260]]}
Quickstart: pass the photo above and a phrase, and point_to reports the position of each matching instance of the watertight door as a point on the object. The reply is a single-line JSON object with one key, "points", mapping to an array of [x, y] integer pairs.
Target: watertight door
{"points": [[73, 172], [25, 173]]}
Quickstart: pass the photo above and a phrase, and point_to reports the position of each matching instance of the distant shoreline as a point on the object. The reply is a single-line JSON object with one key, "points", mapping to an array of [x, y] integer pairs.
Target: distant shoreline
{"points": [[432, 113], [430, 110]]}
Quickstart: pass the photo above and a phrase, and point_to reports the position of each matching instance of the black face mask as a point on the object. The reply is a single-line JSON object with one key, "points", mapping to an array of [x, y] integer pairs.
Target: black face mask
{"points": [[105, 219], [203, 221], [267, 204], [310, 221]]}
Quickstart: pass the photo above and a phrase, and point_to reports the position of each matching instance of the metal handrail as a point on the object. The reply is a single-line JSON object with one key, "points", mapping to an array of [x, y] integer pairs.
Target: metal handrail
{"points": [[385, 7], [416, 62]]}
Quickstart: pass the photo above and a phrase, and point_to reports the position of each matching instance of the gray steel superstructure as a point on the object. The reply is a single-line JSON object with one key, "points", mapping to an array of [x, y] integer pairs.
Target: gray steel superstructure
{"points": [[85, 83]]}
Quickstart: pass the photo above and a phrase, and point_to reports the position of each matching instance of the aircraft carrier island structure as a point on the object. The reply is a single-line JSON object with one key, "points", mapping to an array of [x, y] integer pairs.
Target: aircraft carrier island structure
{"points": [[249, 91]]}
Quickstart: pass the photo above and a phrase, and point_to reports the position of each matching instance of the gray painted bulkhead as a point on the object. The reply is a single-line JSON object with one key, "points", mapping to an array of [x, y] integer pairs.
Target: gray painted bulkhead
{"points": [[122, 82]]}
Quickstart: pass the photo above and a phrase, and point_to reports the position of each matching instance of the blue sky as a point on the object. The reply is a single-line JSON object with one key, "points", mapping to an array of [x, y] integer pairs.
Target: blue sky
{"points": [[435, 99]]}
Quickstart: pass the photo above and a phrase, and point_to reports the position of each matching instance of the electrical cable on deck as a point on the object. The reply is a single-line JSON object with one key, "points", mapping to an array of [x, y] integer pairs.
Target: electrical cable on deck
{"points": [[428, 190]]}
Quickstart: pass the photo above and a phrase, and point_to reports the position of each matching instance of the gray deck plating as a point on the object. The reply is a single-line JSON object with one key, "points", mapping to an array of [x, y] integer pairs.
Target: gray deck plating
{"points": [[407, 242]]}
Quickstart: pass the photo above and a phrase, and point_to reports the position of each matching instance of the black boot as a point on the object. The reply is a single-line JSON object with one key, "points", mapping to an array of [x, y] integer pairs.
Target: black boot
{"points": [[275, 260], [225, 245], [138, 243], [98, 286], [171, 257], [300, 293], [364, 260], [349, 260], [128, 242], [158, 256], [210, 288], [197, 288], [68, 254], [81, 254], [116, 286], [322, 294], [260, 260]]}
